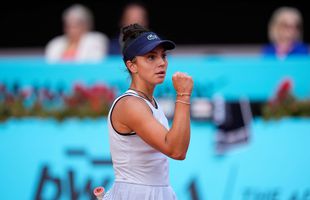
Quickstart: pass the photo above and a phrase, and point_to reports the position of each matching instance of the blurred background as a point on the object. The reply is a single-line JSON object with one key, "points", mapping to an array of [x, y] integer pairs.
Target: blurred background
{"points": [[217, 25], [61, 68]]}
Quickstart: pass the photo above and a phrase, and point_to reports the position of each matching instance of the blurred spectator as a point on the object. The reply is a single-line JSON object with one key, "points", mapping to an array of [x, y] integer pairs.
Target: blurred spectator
{"points": [[285, 33], [134, 12], [79, 43]]}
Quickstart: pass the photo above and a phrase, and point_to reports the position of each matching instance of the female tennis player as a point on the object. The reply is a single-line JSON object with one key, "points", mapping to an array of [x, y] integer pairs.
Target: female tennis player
{"points": [[140, 137]]}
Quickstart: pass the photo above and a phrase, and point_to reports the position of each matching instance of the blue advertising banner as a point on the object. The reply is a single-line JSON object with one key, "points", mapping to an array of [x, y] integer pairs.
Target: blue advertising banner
{"points": [[47, 159]]}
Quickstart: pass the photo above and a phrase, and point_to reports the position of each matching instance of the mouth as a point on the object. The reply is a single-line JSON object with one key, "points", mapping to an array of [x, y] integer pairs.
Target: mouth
{"points": [[161, 73]]}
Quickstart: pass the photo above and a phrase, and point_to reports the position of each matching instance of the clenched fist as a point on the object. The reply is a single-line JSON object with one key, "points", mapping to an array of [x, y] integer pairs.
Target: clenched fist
{"points": [[182, 82]]}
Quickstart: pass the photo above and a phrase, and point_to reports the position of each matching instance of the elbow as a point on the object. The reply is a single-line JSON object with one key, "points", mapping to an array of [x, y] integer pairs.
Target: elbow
{"points": [[177, 153], [178, 156], [181, 157]]}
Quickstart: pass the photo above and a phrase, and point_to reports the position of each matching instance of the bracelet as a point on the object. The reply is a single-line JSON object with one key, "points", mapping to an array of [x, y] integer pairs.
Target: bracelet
{"points": [[185, 102], [183, 94]]}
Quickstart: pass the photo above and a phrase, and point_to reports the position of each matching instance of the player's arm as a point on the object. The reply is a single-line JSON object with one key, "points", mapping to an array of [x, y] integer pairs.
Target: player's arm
{"points": [[137, 116]]}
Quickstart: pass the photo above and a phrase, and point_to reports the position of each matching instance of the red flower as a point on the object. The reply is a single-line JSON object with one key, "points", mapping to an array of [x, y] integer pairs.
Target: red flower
{"points": [[284, 89], [81, 91], [97, 96]]}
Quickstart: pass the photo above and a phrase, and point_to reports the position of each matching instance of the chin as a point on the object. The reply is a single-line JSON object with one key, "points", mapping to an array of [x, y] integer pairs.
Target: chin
{"points": [[160, 81]]}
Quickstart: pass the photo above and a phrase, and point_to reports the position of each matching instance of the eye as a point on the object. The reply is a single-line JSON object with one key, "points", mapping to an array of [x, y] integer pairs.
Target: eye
{"points": [[151, 57], [164, 56]]}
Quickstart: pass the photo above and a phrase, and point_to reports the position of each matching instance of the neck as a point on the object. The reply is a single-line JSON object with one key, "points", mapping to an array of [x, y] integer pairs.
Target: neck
{"points": [[143, 90], [141, 85], [284, 47], [284, 43]]}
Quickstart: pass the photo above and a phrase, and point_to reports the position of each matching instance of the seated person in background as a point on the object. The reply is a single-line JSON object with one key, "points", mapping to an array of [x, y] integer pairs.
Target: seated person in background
{"points": [[132, 13], [79, 43], [285, 34]]}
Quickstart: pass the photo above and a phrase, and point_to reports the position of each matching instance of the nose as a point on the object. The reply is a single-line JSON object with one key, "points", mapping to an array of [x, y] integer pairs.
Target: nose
{"points": [[162, 62]]}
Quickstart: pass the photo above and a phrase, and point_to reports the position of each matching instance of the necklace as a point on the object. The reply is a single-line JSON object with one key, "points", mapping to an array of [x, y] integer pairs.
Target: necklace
{"points": [[144, 95]]}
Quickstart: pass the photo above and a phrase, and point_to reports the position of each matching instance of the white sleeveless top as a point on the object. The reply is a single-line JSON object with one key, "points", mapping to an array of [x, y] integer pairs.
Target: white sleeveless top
{"points": [[135, 161]]}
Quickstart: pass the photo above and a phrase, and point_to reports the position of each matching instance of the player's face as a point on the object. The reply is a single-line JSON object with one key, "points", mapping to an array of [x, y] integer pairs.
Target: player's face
{"points": [[152, 66]]}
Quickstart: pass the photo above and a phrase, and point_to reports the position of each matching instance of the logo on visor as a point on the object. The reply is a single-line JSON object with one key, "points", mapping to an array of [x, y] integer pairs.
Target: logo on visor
{"points": [[152, 37]]}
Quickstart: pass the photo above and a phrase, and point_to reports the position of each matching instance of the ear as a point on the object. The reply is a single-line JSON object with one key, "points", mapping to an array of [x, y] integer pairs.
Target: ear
{"points": [[131, 66]]}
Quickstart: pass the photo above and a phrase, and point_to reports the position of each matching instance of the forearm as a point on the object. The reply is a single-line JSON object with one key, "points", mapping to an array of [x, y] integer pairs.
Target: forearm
{"points": [[178, 137]]}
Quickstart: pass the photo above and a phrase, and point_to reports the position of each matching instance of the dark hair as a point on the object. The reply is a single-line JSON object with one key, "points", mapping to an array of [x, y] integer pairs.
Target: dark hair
{"points": [[129, 33]]}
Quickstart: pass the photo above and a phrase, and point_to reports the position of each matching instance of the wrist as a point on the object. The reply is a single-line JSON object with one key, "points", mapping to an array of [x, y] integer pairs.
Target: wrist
{"points": [[183, 102], [183, 94], [183, 98]]}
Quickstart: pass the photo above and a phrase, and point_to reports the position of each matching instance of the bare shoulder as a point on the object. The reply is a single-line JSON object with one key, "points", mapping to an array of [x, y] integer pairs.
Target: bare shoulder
{"points": [[131, 108]]}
